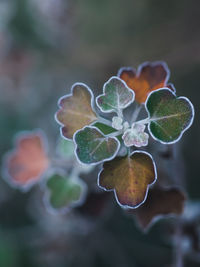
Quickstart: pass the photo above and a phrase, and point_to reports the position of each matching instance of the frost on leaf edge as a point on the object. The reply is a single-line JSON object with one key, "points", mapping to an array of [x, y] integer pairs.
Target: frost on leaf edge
{"points": [[71, 95], [147, 189], [104, 87], [95, 163], [182, 132]]}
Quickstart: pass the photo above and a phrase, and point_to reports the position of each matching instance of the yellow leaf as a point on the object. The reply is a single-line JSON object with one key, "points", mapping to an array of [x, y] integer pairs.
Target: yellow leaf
{"points": [[129, 177]]}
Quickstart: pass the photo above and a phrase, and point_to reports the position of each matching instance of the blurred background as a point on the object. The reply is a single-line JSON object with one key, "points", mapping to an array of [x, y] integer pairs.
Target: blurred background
{"points": [[45, 47]]}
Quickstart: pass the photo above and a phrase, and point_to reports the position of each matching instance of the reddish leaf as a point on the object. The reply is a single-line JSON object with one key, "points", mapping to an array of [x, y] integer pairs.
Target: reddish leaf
{"points": [[25, 165], [159, 202], [148, 77]]}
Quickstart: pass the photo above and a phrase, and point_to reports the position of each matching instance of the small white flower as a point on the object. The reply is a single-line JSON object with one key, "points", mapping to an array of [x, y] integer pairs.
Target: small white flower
{"points": [[125, 125], [117, 123], [138, 127], [135, 136]]}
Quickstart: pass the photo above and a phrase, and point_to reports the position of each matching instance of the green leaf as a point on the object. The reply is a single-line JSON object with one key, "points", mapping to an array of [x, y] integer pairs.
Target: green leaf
{"points": [[64, 193], [93, 147], [116, 96], [169, 116], [129, 177], [105, 129]]}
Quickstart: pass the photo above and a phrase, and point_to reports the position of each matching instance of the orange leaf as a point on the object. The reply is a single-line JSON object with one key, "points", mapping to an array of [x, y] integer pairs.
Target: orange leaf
{"points": [[148, 77], [27, 162], [129, 177], [159, 202]]}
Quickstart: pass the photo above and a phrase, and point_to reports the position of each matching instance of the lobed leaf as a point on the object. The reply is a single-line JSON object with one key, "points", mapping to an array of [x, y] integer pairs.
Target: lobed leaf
{"points": [[75, 110], [93, 147], [160, 202], [25, 165], [170, 116], [148, 77], [116, 96], [64, 193], [129, 177]]}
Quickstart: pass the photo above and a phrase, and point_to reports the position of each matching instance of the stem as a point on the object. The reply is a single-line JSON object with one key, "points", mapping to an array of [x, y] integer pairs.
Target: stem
{"points": [[75, 170], [129, 151], [120, 113], [104, 121], [136, 113], [114, 134], [178, 261], [145, 121]]}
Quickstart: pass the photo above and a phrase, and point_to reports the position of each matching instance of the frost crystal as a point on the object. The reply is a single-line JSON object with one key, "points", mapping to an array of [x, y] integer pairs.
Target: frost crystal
{"points": [[117, 123], [125, 125], [135, 136]]}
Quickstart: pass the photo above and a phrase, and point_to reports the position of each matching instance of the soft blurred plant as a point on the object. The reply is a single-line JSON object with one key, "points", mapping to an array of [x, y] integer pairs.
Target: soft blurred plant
{"points": [[29, 164]]}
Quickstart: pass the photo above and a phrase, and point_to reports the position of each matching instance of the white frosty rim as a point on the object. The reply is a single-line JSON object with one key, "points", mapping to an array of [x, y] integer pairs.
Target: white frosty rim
{"points": [[144, 64], [98, 162], [104, 93], [70, 95], [182, 132], [152, 64]]}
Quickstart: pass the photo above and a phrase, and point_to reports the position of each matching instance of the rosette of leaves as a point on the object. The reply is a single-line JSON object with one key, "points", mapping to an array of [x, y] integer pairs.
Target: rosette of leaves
{"points": [[100, 140]]}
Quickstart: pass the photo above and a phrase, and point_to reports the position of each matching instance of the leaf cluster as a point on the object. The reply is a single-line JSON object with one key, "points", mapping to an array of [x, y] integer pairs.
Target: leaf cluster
{"points": [[107, 130], [112, 141]]}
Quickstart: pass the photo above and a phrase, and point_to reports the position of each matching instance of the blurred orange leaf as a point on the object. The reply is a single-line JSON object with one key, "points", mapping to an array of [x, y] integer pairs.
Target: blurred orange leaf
{"points": [[27, 162], [129, 177], [148, 77], [159, 202]]}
